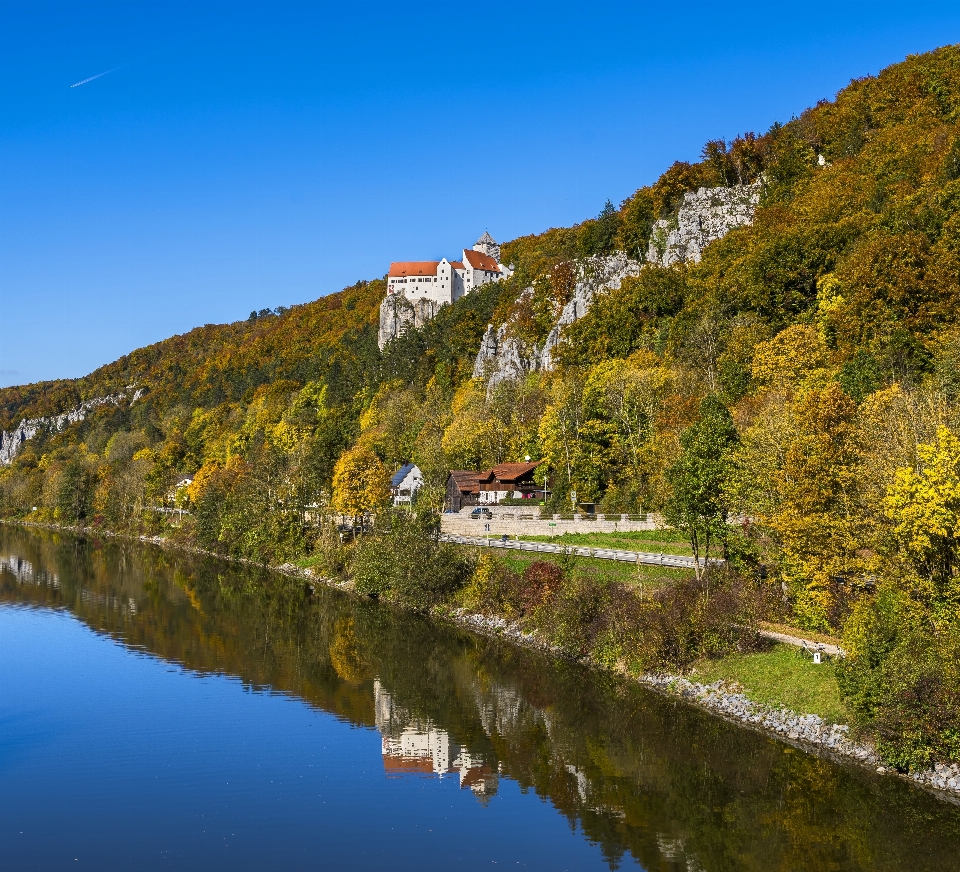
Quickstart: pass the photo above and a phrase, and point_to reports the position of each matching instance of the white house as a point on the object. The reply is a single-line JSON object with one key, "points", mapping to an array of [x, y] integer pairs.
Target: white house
{"points": [[177, 493], [405, 483], [446, 281]]}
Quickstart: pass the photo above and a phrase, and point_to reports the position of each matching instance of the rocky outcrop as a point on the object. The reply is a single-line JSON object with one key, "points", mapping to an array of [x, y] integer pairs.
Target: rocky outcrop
{"points": [[397, 314], [11, 441], [704, 216], [503, 357]]}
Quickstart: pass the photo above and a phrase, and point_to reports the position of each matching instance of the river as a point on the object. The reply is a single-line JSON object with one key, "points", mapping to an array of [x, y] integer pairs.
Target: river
{"points": [[167, 711]]}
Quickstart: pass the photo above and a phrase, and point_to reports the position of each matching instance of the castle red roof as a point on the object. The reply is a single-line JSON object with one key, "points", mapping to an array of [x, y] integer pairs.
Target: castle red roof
{"points": [[413, 268], [479, 260], [396, 763]]}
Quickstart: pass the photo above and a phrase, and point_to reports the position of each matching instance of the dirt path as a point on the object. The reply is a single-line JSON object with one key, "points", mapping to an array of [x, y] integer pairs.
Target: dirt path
{"points": [[798, 642]]}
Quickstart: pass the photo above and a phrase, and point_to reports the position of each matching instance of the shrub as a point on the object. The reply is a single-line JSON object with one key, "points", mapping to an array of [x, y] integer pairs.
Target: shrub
{"points": [[540, 581], [902, 678], [695, 618], [576, 614], [332, 554], [494, 589], [584, 613], [404, 558]]}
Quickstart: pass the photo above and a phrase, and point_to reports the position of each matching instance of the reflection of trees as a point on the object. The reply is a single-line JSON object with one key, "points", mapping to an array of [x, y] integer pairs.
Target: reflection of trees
{"points": [[640, 774]]}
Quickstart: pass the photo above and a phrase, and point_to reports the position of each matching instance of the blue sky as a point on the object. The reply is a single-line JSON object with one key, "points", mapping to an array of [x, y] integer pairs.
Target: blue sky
{"points": [[251, 155]]}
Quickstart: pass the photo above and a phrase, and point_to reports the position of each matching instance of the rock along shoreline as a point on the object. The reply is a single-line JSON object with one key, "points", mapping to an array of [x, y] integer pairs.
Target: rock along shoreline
{"points": [[806, 732]]}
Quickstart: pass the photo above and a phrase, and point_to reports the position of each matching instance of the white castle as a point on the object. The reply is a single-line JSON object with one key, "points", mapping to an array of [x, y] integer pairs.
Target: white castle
{"points": [[446, 281]]}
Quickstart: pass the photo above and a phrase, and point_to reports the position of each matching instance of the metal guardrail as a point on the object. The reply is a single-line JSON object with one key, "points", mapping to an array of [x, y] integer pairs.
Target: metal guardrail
{"points": [[645, 557]]}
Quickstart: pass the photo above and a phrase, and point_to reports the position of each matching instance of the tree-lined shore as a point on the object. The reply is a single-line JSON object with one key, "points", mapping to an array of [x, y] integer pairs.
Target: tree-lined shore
{"points": [[791, 402]]}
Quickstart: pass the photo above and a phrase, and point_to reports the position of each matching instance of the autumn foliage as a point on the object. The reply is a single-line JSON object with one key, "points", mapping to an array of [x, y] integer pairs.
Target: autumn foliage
{"points": [[792, 402]]}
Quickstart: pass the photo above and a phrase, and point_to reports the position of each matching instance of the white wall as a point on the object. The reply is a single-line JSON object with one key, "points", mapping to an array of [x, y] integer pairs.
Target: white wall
{"points": [[460, 286], [447, 285], [436, 287], [411, 483]]}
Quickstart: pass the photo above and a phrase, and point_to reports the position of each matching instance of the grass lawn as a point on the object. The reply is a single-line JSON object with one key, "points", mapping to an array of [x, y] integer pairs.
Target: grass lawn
{"points": [[784, 675], [626, 573], [667, 541]]}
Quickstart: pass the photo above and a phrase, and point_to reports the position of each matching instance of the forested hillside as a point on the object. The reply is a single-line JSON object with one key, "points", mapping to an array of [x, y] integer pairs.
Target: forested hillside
{"points": [[803, 376]]}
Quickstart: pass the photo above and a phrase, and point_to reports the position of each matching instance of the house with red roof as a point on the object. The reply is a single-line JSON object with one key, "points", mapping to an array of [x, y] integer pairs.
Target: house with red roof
{"points": [[488, 487]]}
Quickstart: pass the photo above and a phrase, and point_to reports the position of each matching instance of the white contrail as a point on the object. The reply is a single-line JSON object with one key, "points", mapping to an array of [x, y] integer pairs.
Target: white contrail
{"points": [[135, 60], [98, 75]]}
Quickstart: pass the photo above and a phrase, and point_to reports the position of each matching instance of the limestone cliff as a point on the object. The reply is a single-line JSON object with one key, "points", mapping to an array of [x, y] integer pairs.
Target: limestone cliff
{"points": [[11, 441], [704, 216], [503, 357], [397, 313]]}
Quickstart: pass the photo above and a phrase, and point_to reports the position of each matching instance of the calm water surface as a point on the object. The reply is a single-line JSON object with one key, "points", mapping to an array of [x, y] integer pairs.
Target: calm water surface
{"points": [[167, 712]]}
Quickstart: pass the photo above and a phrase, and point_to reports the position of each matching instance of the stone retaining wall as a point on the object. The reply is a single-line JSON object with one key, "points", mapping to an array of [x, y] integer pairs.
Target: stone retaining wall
{"points": [[524, 522]]}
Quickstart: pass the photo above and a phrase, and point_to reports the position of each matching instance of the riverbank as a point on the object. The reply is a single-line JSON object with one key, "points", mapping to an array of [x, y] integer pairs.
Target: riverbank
{"points": [[808, 732]]}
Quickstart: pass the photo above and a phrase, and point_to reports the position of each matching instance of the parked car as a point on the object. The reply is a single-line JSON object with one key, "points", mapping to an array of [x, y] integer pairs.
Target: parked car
{"points": [[481, 512]]}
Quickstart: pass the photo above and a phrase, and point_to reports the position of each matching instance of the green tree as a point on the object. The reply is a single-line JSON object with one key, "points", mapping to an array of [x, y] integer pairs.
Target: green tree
{"points": [[405, 559], [636, 222], [75, 491], [599, 236], [697, 504]]}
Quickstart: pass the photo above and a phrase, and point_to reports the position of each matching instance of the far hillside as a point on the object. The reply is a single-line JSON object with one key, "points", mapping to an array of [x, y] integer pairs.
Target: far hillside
{"points": [[762, 349]]}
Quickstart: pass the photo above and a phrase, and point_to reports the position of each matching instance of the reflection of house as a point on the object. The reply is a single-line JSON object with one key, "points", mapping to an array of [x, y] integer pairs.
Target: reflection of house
{"points": [[417, 749], [504, 481], [410, 746], [24, 572], [479, 776], [405, 484]]}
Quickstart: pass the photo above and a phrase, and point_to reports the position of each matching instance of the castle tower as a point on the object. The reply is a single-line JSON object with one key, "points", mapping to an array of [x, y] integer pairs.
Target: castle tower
{"points": [[486, 244]]}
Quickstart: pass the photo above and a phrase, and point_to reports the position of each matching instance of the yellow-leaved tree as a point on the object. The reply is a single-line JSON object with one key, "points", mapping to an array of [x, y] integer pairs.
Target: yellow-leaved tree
{"points": [[361, 482], [924, 504], [475, 438], [793, 356], [817, 529], [796, 474]]}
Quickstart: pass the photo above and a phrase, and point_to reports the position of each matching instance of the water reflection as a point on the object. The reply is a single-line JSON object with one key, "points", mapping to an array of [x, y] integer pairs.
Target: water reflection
{"points": [[639, 775], [413, 746]]}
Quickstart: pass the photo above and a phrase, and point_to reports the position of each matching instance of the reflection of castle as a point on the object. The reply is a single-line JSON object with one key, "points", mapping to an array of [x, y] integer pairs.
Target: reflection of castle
{"points": [[24, 572], [411, 746]]}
